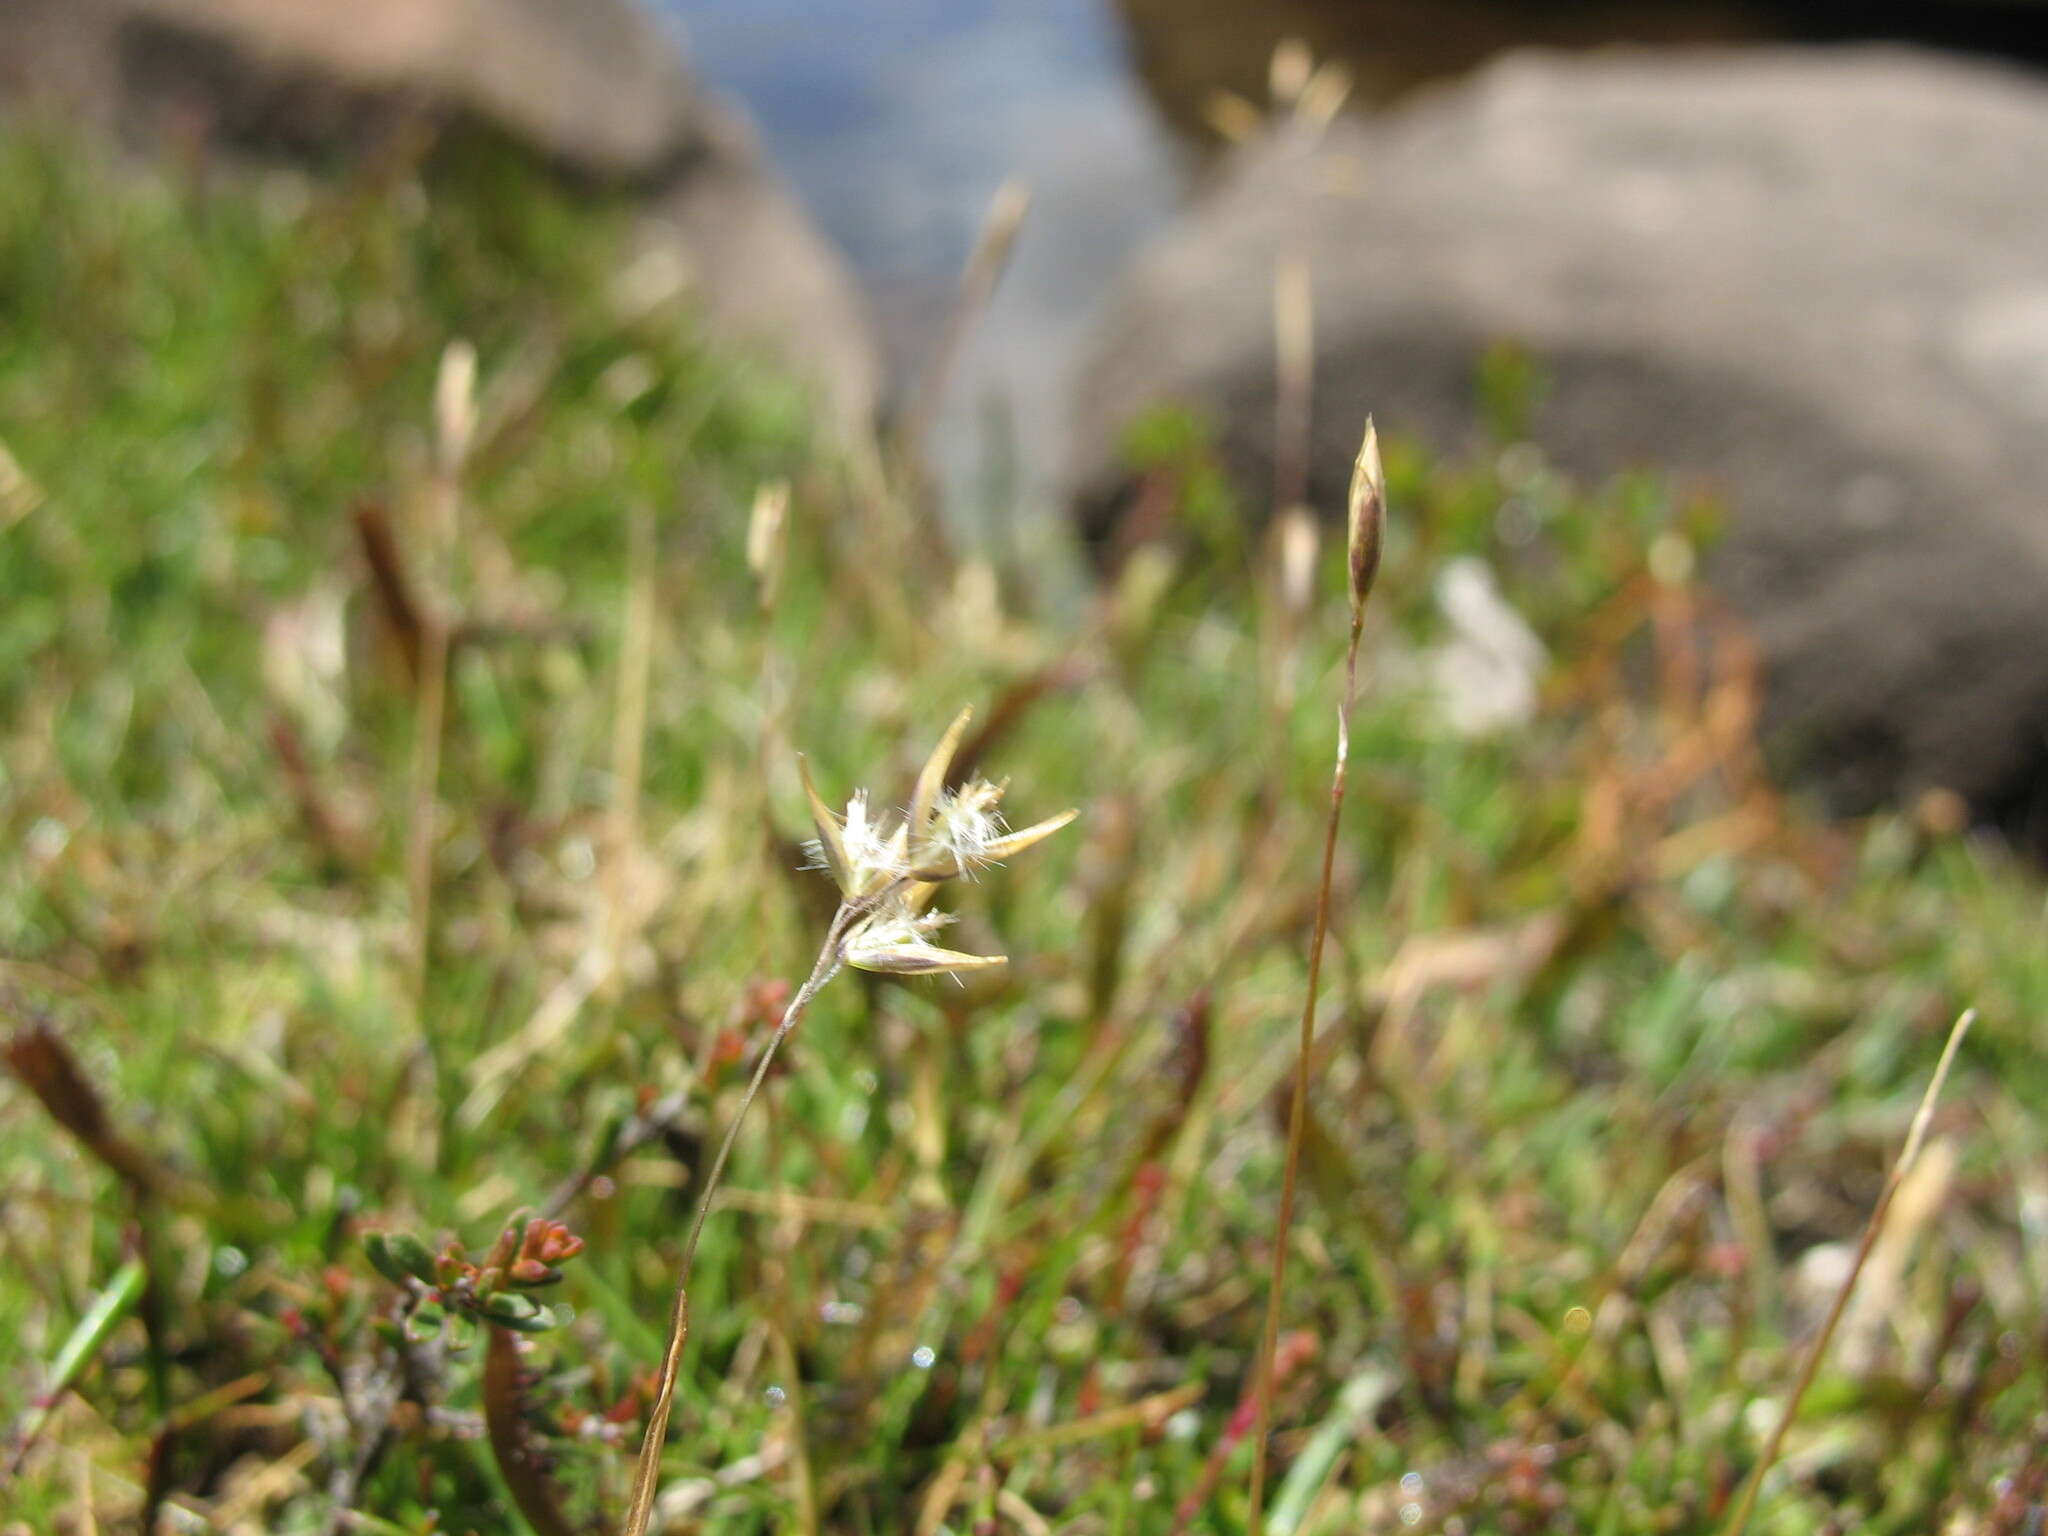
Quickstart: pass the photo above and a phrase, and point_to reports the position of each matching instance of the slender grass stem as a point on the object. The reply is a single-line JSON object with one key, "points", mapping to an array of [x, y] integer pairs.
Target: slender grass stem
{"points": [[647, 1475], [1298, 1106]]}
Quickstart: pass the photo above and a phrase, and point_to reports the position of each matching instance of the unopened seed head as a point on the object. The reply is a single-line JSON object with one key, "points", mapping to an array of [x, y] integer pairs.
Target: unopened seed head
{"points": [[1324, 95], [1367, 518], [1298, 540], [1287, 74], [1232, 117], [767, 532], [455, 404]]}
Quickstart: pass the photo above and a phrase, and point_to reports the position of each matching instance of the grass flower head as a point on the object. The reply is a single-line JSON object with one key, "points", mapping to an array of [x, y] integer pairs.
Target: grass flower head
{"points": [[888, 870]]}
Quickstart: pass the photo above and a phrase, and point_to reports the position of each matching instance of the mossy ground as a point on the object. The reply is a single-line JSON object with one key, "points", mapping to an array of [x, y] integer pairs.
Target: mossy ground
{"points": [[1617, 1043]]}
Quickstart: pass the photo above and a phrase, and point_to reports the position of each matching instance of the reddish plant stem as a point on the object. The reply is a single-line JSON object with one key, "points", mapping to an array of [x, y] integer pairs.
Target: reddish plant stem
{"points": [[520, 1457], [1298, 1108]]}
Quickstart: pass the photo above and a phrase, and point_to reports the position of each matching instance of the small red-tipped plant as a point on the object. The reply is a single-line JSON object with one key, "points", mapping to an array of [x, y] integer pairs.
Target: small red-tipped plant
{"points": [[448, 1298]]}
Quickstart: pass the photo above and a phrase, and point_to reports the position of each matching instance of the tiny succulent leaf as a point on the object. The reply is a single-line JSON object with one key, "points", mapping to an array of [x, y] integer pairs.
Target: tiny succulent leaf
{"points": [[424, 1322], [521, 1314], [398, 1256], [378, 1247]]}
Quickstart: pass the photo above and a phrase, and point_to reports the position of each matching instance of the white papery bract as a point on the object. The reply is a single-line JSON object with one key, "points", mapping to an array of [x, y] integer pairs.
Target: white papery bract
{"points": [[889, 872]]}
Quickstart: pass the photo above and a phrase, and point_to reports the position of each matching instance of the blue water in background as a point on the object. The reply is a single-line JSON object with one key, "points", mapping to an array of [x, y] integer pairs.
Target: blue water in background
{"points": [[897, 120]]}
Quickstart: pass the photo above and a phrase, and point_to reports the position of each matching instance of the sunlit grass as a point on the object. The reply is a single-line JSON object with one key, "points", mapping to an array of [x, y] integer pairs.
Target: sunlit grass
{"points": [[1614, 1043]]}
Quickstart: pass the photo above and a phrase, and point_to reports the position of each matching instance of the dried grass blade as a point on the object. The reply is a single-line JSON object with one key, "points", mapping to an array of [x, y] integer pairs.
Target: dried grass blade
{"points": [[1739, 1520]]}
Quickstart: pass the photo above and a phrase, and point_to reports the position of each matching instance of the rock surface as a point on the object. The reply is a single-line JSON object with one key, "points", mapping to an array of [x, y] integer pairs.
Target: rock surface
{"points": [[1818, 280], [596, 87]]}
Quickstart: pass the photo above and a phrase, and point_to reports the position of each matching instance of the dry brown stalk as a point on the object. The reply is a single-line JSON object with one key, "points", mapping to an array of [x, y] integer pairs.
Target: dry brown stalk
{"points": [[1294, 377], [985, 264], [45, 1065], [629, 736], [454, 421], [390, 581], [1817, 1351]]}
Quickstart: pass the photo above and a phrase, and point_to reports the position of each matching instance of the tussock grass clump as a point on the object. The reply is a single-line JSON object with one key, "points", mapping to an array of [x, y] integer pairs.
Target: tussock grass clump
{"points": [[1613, 1048]]}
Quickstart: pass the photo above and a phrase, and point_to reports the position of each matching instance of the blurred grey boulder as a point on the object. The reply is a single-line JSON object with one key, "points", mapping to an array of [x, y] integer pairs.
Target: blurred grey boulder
{"points": [[1814, 281], [597, 88]]}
